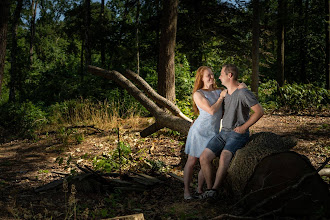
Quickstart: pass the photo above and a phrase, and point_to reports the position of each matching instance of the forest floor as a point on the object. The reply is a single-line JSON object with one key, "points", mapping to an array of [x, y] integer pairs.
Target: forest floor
{"points": [[26, 165]]}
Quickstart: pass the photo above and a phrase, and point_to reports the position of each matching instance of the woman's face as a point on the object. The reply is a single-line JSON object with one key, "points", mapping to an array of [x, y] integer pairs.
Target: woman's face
{"points": [[208, 77]]}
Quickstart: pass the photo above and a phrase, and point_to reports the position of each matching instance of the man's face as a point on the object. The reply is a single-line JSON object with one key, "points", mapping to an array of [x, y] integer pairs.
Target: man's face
{"points": [[223, 77]]}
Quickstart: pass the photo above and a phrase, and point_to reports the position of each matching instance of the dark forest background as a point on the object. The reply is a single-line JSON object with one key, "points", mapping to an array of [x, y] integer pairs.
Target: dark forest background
{"points": [[280, 46]]}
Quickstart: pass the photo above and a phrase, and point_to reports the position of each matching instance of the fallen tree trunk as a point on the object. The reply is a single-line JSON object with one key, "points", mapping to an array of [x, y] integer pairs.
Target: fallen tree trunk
{"points": [[160, 100], [163, 119]]}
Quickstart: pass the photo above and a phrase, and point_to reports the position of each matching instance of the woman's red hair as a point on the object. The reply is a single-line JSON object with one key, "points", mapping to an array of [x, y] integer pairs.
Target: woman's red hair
{"points": [[199, 84]]}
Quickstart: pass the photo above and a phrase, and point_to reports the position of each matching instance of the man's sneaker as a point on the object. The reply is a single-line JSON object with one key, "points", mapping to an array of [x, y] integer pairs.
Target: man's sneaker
{"points": [[210, 193]]}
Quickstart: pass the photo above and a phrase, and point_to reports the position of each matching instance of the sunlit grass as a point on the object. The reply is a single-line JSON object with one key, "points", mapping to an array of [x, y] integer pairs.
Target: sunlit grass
{"points": [[104, 115]]}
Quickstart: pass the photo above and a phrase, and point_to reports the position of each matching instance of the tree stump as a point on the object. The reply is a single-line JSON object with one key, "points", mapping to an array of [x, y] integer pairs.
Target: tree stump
{"points": [[288, 182], [246, 159], [268, 178]]}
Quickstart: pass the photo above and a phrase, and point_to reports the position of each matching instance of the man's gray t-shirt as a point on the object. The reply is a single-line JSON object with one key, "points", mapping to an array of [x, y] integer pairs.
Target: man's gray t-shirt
{"points": [[237, 108]]}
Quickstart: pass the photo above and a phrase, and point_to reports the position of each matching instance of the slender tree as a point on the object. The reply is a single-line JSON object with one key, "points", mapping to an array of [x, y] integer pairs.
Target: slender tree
{"points": [[327, 40], [137, 20], [32, 28], [281, 41], [102, 22], [14, 71], [302, 38], [87, 22], [255, 46], [166, 68], [4, 11]]}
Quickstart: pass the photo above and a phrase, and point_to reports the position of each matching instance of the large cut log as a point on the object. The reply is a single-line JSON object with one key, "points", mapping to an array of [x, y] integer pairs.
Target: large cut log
{"points": [[242, 166], [162, 118], [267, 177], [288, 182]]}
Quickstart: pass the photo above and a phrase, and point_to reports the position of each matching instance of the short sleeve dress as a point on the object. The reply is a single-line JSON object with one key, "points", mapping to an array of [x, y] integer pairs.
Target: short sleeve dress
{"points": [[204, 127]]}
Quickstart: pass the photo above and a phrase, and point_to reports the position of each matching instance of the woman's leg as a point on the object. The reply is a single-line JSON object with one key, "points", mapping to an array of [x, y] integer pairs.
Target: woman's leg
{"points": [[201, 181], [187, 173]]}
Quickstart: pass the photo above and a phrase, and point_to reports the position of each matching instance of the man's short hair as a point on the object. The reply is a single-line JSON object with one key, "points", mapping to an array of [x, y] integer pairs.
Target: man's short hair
{"points": [[231, 68]]}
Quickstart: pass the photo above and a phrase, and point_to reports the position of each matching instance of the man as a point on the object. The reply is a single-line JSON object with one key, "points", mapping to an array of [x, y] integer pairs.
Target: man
{"points": [[235, 128]]}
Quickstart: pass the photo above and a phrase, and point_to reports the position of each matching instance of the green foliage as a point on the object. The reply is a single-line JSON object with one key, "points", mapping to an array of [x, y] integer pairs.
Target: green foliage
{"points": [[22, 119], [63, 134], [184, 79], [118, 158], [303, 97], [156, 165], [293, 97], [185, 105], [267, 94], [79, 138]]}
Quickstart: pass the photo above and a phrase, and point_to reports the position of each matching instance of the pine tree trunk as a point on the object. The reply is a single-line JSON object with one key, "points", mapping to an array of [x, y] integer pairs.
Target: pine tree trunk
{"points": [[280, 42], [255, 47], [166, 74], [102, 34], [4, 11], [137, 18], [14, 71], [32, 29], [327, 31], [87, 21]]}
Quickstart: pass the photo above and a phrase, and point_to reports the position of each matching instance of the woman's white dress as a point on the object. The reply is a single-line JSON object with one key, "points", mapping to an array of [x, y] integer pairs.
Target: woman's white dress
{"points": [[204, 127]]}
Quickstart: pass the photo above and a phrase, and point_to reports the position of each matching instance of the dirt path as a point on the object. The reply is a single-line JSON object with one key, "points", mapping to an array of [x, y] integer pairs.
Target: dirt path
{"points": [[26, 164]]}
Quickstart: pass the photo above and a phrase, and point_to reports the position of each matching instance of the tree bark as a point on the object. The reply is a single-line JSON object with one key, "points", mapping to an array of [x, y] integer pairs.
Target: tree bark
{"points": [[14, 71], [160, 100], [303, 28], [267, 176], [163, 119], [32, 28], [87, 21], [102, 21], [166, 74], [137, 18], [281, 41], [255, 47], [4, 11], [327, 40], [246, 159]]}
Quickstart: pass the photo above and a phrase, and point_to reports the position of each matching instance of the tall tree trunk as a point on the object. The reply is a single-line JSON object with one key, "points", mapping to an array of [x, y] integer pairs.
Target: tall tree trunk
{"points": [[102, 34], [14, 71], [166, 74], [82, 58], [280, 41], [32, 29], [157, 41], [137, 37], [327, 40], [4, 11], [255, 46], [303, 40], [87, 21]]}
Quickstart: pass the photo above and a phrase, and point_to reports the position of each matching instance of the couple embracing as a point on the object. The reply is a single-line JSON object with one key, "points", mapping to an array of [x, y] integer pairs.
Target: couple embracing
{"points": [[204, 142]]}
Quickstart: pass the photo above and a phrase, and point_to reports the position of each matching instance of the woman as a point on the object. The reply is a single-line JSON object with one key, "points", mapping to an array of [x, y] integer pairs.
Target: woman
{"points": [[207, 101]]}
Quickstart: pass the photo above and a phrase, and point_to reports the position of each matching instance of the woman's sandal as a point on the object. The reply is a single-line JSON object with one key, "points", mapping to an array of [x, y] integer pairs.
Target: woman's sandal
{"points": [[187, 197]]}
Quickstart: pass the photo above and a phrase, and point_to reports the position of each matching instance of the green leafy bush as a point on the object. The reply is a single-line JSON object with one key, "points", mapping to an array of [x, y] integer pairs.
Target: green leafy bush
{"points": [[293, 97], [185, 105], [22, 119], [184, 78], [301, 97], [117, 159]]}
